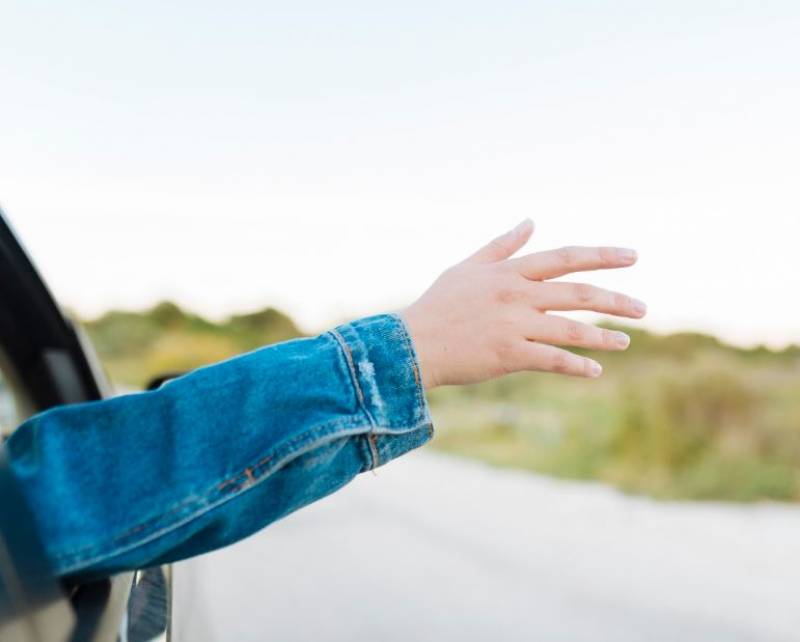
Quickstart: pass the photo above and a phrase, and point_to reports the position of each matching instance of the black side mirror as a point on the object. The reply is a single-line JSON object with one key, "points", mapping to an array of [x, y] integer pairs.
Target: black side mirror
{"points": [[160, 380]]}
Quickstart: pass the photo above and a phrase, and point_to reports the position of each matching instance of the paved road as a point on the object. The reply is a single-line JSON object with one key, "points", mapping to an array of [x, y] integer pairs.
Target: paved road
{"points": [[436, 548]]}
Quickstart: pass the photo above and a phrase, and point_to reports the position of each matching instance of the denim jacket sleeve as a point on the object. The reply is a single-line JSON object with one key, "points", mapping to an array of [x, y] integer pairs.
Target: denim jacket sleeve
{"points": [[217, 454]]}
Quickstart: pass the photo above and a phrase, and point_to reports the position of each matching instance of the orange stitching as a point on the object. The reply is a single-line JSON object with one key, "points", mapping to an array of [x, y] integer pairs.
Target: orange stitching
{"points": [[262, 462], [226, 483], [416, 373], [373, 449], [150, 522]]}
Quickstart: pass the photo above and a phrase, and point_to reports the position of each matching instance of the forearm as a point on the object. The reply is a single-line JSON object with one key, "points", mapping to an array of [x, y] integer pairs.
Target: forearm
{"points": [[218, 454]]}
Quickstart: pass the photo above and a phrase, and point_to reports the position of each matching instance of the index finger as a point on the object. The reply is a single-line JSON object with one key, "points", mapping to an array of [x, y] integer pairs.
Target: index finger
{"points": [[566, 260]]}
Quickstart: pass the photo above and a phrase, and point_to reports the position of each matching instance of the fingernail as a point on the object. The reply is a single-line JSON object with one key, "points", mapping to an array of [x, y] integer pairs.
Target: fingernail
{"points": [[639, 307], [627, 255], [595, 369], [522, 227], [622, 339]]}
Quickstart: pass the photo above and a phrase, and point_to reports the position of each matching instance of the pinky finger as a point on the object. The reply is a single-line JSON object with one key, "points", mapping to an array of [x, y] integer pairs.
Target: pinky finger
{"points": [[546, 358]]}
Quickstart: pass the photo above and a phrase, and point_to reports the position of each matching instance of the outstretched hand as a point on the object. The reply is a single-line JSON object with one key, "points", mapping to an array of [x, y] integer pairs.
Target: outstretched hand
{"points": [[487, 316]]}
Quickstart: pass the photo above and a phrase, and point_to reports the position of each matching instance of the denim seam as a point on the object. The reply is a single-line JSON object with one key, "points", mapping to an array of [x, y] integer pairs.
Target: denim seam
{"points": [[373, 450], [252, 474], [78, 559], [360, 394], [421, 399]]}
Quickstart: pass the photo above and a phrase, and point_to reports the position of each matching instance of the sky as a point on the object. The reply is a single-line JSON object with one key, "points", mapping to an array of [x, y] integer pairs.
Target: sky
{"points": [[331, 159]]}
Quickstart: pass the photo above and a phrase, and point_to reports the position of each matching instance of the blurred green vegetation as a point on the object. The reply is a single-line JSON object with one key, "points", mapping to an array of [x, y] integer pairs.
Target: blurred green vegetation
{"points": [[135, 347], [675, 417], [679, 416]]}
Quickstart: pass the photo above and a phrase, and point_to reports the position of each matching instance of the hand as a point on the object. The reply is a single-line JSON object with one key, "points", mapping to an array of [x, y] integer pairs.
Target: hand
{"points": [[487, 316]]}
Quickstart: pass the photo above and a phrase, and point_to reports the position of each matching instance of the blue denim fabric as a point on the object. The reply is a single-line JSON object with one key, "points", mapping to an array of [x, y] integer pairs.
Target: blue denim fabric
{"points": [[218, 454]]}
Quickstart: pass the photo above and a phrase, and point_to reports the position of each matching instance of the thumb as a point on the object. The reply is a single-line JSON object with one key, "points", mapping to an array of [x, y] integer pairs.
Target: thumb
{"points": [[504, 245]]}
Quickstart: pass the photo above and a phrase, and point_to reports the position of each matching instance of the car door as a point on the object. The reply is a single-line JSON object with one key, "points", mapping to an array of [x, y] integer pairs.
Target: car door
{"points": [[46, 361]]}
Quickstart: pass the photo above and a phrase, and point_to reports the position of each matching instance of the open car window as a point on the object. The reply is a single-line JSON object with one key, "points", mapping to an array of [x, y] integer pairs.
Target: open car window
{"points": [[15, 401]]}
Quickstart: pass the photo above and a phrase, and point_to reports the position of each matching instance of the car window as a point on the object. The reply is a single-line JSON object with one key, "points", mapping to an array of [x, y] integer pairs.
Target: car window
{"points": [[8, 407], [15, 405]]}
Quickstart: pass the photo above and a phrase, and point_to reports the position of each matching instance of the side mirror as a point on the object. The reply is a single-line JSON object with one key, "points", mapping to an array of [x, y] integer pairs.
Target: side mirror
{"points": [[160, 380]]}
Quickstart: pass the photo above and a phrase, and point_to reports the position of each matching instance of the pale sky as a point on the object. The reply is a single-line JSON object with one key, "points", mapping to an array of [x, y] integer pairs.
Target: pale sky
{"points": [[331, 159]]}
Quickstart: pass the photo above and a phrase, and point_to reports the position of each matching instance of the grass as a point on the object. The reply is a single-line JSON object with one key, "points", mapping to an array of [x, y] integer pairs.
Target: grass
{"points": [[708, 427]]}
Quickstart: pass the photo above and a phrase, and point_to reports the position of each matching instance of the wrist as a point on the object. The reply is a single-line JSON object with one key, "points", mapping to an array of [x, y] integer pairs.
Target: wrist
{"points": [[421, 346]]}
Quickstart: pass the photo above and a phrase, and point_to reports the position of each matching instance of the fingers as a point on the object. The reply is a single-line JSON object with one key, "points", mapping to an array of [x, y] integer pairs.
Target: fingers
{"points": [[505, 245], [545, 358], [559, 296], [550, 265], [559, 331]]}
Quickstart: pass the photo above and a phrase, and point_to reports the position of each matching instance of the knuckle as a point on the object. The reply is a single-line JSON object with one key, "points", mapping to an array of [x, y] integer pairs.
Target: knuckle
{"points": [[499, 244], [622, 302], [567, 255], [606, 338], [560, 362], [607, 255], [507, 295], [584, 293], [575, 332], [505, 351]]}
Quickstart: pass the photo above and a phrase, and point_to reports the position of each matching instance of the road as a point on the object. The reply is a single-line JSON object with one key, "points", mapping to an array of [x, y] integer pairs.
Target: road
{"points": [[437, 548]]}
